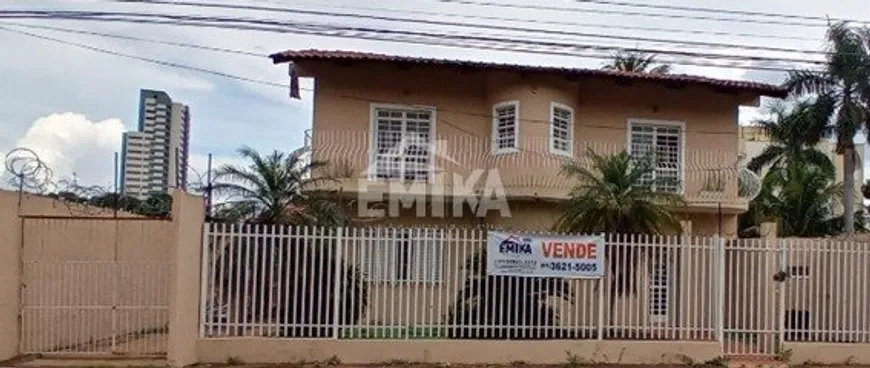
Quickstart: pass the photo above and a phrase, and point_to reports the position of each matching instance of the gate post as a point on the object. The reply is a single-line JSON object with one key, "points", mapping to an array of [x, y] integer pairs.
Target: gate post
{"points": [[10, 275], [188, 219], [720, 290]]}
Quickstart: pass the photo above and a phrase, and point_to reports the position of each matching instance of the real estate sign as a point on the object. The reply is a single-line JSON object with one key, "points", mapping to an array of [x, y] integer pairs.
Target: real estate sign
{"points": [[532, 255]]}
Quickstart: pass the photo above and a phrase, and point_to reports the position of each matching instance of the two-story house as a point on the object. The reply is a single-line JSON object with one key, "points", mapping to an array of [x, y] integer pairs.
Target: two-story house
{"points": [[453, 130]]}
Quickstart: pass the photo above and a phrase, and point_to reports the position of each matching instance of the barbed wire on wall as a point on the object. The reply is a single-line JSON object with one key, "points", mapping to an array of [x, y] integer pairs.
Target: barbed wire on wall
{"points": [[30, 175], [28, 171]]}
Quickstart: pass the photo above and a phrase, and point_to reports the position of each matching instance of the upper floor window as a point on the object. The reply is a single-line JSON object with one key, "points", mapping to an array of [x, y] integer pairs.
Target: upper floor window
{"points": [[561, 129], [505, 127], [403, 141], [661, 142]]}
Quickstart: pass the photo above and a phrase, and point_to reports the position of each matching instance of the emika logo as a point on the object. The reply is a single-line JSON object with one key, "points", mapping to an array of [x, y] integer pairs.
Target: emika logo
{"points": [[514, 246]]}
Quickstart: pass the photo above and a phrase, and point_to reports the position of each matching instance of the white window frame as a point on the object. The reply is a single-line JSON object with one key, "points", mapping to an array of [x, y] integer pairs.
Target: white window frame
{"points": [[494, 140], [553, 150], [680, 124], [373, 121]]}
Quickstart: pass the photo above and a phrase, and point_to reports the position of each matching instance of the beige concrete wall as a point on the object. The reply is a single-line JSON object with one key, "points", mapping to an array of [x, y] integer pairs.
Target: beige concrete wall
{"points": [[463, 104], [10, 275], [833, 354], [262, 350]]}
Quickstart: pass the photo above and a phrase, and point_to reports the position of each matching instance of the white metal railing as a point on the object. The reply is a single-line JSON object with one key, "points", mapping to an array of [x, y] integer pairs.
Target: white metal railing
{"points": [[416, 283], [405, 283]]}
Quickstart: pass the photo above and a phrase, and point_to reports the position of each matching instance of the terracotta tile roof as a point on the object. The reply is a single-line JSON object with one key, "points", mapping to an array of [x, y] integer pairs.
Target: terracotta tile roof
{"points": [[734, 85]]}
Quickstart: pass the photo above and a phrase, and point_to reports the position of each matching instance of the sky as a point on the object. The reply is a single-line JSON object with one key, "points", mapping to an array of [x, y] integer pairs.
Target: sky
{"points": [[71, 105]]}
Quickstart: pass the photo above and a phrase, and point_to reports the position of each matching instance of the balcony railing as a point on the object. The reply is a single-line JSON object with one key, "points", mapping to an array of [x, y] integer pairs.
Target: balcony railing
{"points": [[705, 175]]}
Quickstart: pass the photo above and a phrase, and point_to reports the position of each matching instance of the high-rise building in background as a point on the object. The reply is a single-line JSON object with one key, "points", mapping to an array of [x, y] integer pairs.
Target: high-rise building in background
{"points": [[154, 158]]}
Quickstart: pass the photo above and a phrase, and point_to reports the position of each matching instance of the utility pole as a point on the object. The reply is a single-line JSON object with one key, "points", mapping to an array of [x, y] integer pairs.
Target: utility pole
{"points": [[208, 188], [115, 174]]}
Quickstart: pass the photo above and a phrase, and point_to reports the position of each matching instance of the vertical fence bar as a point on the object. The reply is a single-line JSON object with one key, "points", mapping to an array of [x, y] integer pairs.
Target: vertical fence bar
{"points": [[602, 282], [337, 278], [780, 310], [203, 288], [720, 290]]}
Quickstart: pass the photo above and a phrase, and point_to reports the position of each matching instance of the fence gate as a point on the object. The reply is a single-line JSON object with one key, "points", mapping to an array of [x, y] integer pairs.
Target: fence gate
{"points": [[95, 286], [753, 301]]}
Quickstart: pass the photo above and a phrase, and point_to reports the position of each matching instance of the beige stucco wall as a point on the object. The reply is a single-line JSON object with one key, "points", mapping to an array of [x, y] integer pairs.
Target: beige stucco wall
{"points": [[260, 350], [833, 354], [10, 275], [463, 103]]}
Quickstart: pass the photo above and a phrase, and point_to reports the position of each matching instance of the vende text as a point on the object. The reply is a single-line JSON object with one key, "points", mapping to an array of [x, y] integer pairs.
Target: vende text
{"points": [[573, 250]]}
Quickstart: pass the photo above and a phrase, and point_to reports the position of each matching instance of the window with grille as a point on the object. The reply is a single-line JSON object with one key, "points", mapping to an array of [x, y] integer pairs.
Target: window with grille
{"points": [[662, 144], [403, 141], [561, 129], [505, 127], [402, 255], [659, 288]]}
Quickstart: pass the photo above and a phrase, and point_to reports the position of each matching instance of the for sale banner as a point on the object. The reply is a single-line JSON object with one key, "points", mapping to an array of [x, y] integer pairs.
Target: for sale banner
{"points": [[514, 254]]}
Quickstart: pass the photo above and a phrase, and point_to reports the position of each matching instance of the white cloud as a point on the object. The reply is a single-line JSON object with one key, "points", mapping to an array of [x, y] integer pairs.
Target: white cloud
{"points": [[71, 144]]}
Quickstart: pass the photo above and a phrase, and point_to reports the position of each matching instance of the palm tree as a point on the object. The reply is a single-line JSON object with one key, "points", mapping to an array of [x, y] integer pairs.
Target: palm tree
{"points": [[794, 133], [846, 80], [616, 197], [803, 198], [637, 62], [527, 311], [270, 190]]}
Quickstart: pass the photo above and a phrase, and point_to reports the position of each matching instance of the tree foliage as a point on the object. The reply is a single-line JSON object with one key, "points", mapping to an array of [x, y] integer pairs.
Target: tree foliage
{"points": [[794, 135], [617, 196], [845, 79], [523, 304], [297, 266], [276, 189], [637, 62], [270, 190], [803, 199]]}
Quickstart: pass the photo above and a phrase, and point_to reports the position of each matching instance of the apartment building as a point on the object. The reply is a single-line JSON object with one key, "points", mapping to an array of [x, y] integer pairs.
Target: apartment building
{"points": [[154, 158]]}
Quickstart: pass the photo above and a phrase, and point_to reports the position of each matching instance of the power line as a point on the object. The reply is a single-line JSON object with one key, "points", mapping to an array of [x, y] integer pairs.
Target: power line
{"points": [[583, 24], [715, 10], [224, 21], [146, 59], [332, 32], [472, 25], [251, 80], [630, 13], [131, 38]]}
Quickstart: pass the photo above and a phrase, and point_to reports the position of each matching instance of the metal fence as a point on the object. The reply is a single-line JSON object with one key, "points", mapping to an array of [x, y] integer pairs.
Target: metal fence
{"points": [[431, 283]]}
